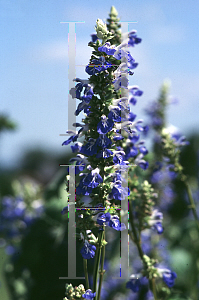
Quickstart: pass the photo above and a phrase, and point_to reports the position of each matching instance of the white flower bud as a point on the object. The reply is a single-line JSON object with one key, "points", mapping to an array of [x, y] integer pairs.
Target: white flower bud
{"points": [[101, 29]]}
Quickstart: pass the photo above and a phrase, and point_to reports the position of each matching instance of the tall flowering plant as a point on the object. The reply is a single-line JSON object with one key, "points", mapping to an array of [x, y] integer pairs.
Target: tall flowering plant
{"points": [[112, 146]]}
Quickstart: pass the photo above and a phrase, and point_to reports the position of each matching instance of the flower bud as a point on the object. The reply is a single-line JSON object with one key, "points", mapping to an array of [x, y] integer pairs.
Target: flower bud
{"points": [[101, 29]]}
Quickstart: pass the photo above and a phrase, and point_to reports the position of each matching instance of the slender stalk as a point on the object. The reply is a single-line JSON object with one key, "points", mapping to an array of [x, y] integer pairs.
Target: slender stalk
{"points": [[192, 204], [86, 273], [137, 241], [102, 271], [96, 264], [154, 288]]}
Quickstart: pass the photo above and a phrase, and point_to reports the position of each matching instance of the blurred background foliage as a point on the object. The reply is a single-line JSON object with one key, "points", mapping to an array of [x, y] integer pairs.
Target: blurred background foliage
{"points": [[32, 271]]}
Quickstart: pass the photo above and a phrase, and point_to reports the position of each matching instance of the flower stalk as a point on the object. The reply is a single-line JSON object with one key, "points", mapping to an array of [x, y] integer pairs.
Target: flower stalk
{"points": [[97, 262], [192, 203], [86, 273], [102, 271], [137, 241]]}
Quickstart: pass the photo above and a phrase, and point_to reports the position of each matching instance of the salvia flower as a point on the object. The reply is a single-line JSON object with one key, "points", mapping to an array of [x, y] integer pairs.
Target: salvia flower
{"points": [[103, 141], [92, 179], [76, 148], [136, 92], [94, 37], [88, 250], [155, 221], [118, 191], [115, 223], [72, 138], [107, 48], [136, 282], [168, 276], [141, 162], [105, 125], [111, 221], [90, 148], [134, 285], [133, 39], [120, 82], [89, 295], [97, 66], [81, 162]]}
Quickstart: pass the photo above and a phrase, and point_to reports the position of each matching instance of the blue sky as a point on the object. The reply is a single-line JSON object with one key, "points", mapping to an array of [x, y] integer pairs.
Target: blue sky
{"points": [[34, 63]]}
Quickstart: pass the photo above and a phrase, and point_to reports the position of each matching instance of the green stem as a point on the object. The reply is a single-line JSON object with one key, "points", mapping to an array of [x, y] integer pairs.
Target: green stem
{"points": [[153, 287], [96, 265], [137, 241], [191, 200], [102, 271], [86, 273]]}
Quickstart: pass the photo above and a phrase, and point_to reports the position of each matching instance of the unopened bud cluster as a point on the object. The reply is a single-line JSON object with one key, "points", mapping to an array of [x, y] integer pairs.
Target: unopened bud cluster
{"points": [[171, 151], [102, 31], [74, 293], [150, 271]]}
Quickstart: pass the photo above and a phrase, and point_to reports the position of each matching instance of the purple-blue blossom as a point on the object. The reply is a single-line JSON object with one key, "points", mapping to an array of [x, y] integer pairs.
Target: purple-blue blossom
{"points": [[64, 210], [168, 276], [83, 189], [76, 92], [120, 82], [103, 141], [81, 162], [118, 191], [94, 37], [72, 138], [118, 157], [102, 218], [89, 295], [97, 66], [122, 53], [76, 148], [105, 153], [88, 251], [136, 92], [92, 179], [115, 113], [134, 285], [105, 125], [16, 217], [155, 221], [112, 221], [133, 39], [90, 148], [141, 162], [115, 223], [107, 48]]}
